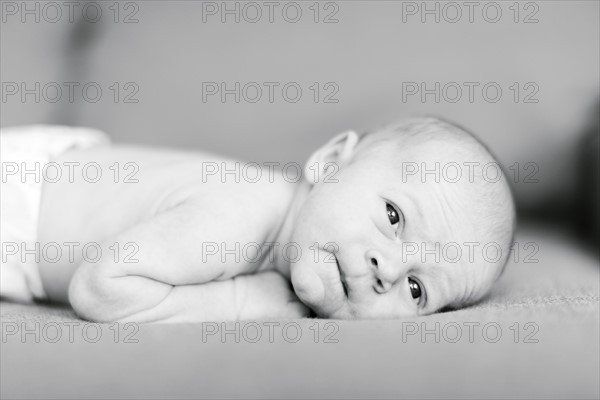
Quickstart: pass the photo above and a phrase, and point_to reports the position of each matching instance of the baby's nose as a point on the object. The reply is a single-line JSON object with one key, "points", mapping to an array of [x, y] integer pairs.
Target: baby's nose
{"points": [[384, 272]]}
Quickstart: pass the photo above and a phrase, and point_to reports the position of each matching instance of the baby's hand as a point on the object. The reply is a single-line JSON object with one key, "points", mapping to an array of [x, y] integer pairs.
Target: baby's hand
{"points": [[267, 295]]}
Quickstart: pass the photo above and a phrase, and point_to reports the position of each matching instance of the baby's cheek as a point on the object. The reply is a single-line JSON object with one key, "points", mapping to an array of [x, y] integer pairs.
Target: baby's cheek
{"points": [[307, 285]]}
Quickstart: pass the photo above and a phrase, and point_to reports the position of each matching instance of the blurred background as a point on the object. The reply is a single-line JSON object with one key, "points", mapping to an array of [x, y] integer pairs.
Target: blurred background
{"points": [[165, 73], [273, 80]]}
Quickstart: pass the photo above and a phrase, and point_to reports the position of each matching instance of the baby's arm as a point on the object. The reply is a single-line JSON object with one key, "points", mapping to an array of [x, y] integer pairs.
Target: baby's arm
{"points": [[246, 297], [170, 281]]}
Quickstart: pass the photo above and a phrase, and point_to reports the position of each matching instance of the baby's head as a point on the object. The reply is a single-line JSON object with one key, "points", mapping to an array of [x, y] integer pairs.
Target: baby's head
{"points": [[414, 217]]}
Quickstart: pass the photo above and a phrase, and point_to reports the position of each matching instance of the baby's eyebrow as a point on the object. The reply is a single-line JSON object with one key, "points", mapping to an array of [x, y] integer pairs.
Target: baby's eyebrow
{"points": [[413, 213], [417, 219], [412, 205], [439, 290]]}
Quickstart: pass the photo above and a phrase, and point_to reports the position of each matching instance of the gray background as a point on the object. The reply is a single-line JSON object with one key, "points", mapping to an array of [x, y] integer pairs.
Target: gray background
{"points": [[369, 53], [170, 51]]}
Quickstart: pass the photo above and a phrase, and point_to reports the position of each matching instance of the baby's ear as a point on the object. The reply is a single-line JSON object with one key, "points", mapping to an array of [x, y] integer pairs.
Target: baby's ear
{"points": [[334, 154]]}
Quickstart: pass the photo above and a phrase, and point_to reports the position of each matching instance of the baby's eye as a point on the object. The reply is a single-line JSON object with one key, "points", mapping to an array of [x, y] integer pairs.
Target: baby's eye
{"points": [[415, 289], [393, 215]]}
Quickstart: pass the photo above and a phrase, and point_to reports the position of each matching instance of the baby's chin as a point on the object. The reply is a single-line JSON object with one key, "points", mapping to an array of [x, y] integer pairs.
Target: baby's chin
{"points": [[314, 284], [308, 285]]}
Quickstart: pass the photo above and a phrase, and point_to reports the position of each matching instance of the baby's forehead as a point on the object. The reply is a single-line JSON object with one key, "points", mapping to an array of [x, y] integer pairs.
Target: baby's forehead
{"points": [[457, 284], [429, 175], [457, 168]]}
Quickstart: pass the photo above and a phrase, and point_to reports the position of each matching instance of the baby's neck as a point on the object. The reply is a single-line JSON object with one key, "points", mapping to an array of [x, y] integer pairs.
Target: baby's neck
{"points": [[283, 233]]}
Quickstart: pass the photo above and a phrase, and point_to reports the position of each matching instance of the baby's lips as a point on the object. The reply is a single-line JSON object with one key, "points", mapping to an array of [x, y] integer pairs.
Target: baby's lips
{"points": [[307, 285]]}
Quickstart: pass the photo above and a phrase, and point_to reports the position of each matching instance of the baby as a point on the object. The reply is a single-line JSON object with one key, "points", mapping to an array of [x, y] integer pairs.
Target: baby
{"points": [[402, 221]]}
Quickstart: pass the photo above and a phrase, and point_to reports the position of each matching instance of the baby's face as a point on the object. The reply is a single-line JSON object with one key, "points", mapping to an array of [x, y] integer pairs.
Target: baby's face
{"points": [[358, 239]]}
